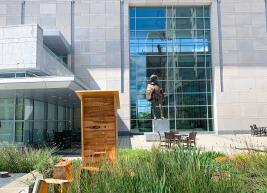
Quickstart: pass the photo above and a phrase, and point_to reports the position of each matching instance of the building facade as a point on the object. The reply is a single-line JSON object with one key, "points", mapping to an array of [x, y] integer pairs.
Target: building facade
{"points": [[210, 56]]}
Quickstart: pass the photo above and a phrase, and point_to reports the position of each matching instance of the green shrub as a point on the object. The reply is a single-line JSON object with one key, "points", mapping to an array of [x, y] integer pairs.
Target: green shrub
{"points": [[23, 160]]}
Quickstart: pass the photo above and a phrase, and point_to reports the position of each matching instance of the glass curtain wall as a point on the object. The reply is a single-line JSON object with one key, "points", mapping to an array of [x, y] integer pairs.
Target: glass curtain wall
{"points": [[28, 121], [6, 120], [173, 43]]}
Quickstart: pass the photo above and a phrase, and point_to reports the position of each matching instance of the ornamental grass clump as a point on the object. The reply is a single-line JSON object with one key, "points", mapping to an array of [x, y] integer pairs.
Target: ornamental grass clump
{"points": [[24, 160], [161, 171], [253, 170]]}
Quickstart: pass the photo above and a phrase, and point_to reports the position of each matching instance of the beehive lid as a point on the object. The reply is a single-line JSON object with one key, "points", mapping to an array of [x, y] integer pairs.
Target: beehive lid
{"points": [[99, 93]]}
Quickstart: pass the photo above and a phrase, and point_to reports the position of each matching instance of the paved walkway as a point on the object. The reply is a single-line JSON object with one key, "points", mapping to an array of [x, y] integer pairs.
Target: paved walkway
{"points": [[208, 142], [16, 183]]}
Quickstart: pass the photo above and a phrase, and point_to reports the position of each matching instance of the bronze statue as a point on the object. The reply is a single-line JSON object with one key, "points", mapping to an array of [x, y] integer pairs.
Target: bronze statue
{"points": [[155, 94]]}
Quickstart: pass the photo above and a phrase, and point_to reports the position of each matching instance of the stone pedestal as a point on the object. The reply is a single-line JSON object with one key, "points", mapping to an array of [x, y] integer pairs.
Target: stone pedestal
{"points": [[158, 125]]}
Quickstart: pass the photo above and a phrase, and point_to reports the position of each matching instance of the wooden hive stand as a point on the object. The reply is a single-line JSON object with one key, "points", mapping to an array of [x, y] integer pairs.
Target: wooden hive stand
{"points": [[99, 131], [62, 176]]}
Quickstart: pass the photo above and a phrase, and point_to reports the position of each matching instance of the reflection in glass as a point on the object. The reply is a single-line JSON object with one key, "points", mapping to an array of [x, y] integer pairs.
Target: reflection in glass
{"points": [[6, 132], [26, 121], [174, 43], [150, 12], [6, 109], [28, 109], [39, 110], [19, 127], [150, 23]]}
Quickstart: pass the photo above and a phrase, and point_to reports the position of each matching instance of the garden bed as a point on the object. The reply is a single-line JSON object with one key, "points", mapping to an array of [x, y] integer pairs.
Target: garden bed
{"points": [[156, 170]]}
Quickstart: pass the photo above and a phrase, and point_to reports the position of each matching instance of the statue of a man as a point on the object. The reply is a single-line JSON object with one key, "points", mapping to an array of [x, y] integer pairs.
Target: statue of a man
{"points": [[155, 94]]}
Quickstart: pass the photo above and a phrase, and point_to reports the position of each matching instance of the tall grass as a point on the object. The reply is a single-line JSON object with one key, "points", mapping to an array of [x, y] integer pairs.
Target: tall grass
{"points": [[160, 171], [253, 170], [23, 160]]}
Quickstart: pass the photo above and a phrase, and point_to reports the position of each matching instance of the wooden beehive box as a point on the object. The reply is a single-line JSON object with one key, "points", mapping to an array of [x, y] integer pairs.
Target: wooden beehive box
{"points": [[63, 170], [98, 125]]}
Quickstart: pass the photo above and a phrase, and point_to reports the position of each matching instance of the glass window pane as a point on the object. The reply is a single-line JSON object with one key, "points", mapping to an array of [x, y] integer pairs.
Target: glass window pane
{"points": [[6, 109], [61, 113], [52, 111], [207, 23], [38, 132], [28, 109], [160, 72], [19, 127], [190, 86], [199, 125], [39, 111], [132, 24], [132, 11], [185, 23], [190, 73], [6, 132], [28, 132], [185, 12], [19, 109], [192, 99], [200, 11], [150, 24], [7, 75], [134, 124], [144, 125], [191, 112], [150, 36], [206, 11], [19, 75], [61, 126], [52, 128], [150, 12]]}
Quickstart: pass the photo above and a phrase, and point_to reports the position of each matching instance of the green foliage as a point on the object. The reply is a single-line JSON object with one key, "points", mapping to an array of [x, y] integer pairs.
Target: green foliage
{"points": [[160, 171], [23, 160], [253, 171], [212, 154], [144, 115]]}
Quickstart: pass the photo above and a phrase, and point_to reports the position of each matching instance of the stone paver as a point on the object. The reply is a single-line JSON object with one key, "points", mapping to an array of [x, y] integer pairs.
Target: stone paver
{"points": [[5, 181], [208, 142], [18, 183]]}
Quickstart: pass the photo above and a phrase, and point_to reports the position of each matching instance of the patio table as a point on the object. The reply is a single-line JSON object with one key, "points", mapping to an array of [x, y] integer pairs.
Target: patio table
{"points": [[180, 136]]}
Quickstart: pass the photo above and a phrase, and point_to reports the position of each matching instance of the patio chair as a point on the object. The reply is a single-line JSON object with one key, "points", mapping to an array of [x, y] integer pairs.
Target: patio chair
{"points": [[259, 130], [162, 141], [264, 131], [191, 139], [169, 138], [253, 130]]}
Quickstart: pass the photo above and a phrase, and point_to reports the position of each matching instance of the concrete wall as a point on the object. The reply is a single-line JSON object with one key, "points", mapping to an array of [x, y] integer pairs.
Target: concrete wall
{"points": [[21, 48], [244, 35], [18, 47], [97, 50]]}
